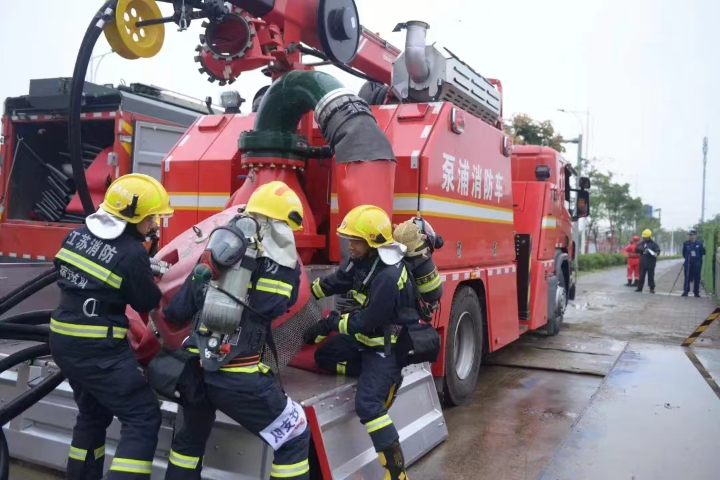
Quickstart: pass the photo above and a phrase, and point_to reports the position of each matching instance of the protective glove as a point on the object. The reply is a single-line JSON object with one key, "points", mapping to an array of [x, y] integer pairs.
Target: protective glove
{"points": [[317, 333]]}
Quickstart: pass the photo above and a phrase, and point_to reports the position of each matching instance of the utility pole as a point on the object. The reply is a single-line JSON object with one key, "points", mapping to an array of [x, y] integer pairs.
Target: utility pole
{"points": [[705, 150]]}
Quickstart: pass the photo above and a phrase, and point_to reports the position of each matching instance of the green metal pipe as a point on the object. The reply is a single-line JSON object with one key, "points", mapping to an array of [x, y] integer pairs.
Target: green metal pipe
{"points": [[290, 97]]}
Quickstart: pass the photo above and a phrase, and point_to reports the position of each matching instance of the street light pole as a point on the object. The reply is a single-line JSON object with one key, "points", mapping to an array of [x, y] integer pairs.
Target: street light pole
{"points": [[586, 129], [92, 72]]}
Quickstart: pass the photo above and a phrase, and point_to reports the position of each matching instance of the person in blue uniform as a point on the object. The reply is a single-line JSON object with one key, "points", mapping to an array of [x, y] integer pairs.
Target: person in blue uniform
{"points": [[103, 267], [244, 388], [376, 278], [693, 252]]}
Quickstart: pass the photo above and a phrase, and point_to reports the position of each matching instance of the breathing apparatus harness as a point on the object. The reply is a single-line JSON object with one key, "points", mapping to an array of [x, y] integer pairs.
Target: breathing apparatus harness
{"points": [[226, 268]]}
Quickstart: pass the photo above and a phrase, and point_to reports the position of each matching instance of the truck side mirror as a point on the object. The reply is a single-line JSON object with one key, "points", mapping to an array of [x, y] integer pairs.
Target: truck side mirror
{"points": [[584, 183], [583, 204]]}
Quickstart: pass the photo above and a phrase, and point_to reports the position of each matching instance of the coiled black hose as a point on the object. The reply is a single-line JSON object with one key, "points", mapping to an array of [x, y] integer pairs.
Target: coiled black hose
{"points": [[24, 355], [36, 317], [4, 457], [4, 298], [29, 398], [23, 294]]}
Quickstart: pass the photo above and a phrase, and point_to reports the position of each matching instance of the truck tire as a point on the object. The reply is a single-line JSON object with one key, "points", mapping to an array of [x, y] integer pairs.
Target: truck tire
{"points": [[561, 300], [463, 347]]}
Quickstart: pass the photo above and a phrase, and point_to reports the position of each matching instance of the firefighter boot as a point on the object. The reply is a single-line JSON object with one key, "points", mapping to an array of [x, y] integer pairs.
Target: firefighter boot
{"points": [[629, 284], [393, 462]]}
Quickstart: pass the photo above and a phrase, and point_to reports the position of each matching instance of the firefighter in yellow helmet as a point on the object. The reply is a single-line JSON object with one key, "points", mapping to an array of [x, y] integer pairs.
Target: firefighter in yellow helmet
{"points": [[103, 268], [649, 251], [239, 385], [376, 278]]}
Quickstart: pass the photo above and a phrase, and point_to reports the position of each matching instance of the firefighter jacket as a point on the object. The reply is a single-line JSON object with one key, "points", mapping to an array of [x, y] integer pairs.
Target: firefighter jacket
{"points": [[272, 291], [386, 294], [98, 279], [649, 251], [693, 252]]}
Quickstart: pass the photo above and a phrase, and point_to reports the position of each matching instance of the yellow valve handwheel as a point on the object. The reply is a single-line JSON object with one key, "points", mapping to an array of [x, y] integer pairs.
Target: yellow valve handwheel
{"points": [[126, 38]]}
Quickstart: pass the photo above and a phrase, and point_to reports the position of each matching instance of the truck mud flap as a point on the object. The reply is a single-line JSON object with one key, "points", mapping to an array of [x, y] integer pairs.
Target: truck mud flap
{"points": [[42, 435]]}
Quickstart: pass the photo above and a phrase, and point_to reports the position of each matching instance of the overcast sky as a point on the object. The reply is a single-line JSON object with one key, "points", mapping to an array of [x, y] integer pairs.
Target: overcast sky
{"points": [[648, 71]]}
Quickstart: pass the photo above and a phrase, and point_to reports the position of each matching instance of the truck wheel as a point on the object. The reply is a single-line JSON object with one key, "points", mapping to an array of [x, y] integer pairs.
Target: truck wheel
{"points": [[463, 347], [561, 301]]}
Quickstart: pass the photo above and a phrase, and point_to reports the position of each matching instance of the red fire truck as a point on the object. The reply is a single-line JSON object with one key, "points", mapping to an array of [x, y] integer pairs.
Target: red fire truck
{"points": [[505, 212]]}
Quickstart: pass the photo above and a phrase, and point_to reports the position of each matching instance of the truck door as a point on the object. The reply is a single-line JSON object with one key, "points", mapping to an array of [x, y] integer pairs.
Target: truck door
{"points": [[152, 141]]}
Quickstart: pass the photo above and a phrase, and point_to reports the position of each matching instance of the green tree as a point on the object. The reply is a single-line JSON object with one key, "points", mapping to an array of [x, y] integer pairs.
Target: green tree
{"points": [[526, 131], [630, 215], [612, 203], [598, 185]]}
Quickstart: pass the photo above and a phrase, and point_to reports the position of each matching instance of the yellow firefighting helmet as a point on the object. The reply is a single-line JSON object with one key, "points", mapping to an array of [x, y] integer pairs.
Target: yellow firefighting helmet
{"points": [[129, 199], [277, 201], [368, 222], [647, 233], [136, 196]]}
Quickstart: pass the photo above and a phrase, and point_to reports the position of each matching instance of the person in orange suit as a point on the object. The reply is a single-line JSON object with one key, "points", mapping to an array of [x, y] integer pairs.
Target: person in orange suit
{"points": [[633, 262]]}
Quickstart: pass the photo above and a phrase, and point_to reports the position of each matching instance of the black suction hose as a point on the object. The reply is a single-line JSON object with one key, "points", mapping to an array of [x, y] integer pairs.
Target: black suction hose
{"points": [[93, 32], [30, 397], [25, 355], [23, 294], [37, 317], [4, 457], [26, 284]]}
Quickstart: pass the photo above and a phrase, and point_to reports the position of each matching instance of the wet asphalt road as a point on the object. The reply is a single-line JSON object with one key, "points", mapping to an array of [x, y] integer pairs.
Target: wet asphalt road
{"points": [[529, 397]]}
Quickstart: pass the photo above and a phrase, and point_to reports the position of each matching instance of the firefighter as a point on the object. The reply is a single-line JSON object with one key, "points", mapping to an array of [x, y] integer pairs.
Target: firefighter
{"points": [[633, 262], [244, 389], [377, 278], [104, 267], [648, 250], [693, 251]]}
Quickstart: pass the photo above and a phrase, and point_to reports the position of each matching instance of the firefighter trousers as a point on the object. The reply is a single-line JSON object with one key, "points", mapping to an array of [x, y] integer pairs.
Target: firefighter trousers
{"points": [[379, 379], [256, 402], [103, 388]]}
